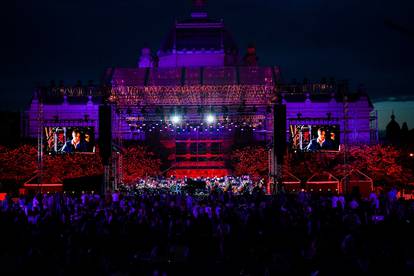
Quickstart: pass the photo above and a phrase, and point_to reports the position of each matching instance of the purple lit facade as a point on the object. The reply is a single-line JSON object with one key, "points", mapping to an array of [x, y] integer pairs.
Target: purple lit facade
{"points": [[197, 73]]}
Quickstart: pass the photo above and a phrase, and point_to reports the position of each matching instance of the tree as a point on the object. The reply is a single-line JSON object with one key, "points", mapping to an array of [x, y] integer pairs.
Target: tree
{"points": [[251, 161], [56, 168], [381, 163], [139, 162], [17, 164], [20, 163]]}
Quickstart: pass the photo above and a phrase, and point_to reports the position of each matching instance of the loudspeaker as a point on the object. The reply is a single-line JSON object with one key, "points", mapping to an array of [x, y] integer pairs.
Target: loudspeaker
{"points": [[105, 132], [279, 130]]}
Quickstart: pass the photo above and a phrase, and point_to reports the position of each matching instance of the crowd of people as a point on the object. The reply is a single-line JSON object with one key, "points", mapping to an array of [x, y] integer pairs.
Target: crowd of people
{"points": [[221, 233]]}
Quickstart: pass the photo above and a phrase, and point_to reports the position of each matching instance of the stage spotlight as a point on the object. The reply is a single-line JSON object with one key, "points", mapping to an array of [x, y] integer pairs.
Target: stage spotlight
{"points": [[210, 119], [176, 119]]}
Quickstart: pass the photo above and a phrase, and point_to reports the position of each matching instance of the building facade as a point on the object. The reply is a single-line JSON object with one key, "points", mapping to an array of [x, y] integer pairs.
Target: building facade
{"points": [[196, 100]]}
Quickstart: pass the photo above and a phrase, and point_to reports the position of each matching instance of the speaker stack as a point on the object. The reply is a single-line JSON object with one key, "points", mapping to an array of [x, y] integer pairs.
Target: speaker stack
{"points": [[279, 143], [279, 129], [105, 133]]}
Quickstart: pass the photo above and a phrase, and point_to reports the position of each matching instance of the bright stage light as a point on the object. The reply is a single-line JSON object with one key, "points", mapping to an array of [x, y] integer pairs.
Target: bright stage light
{"points": [[210, 119], [175, 119]]}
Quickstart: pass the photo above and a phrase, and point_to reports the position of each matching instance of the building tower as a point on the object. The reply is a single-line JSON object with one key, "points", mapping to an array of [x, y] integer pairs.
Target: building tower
{"points": [[393, 131], [198, 41]]}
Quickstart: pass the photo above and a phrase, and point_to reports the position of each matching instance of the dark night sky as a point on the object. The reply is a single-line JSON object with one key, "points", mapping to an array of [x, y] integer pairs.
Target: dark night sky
{"points": [[365, 41]]}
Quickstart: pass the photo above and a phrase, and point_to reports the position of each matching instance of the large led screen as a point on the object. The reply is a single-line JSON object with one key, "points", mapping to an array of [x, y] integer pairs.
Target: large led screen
{"points": [[313, 138], [69, 139]]}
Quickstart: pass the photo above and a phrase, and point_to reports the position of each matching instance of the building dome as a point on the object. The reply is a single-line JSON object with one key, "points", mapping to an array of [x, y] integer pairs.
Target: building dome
{"points": [[393, 130]]}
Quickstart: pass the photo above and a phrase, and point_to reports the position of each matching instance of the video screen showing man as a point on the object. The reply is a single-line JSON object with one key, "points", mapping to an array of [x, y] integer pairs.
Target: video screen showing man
{"points": [[76, 144], [61, 140], [321, 142], [312, 138]]}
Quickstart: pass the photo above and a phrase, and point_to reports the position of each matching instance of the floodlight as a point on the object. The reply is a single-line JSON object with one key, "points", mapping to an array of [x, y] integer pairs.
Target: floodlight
{"points": [[210, 118], [175, 119]]}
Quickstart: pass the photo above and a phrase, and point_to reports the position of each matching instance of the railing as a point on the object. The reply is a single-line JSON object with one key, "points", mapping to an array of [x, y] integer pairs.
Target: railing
{"points": [[70, 91], [307, 88]]}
